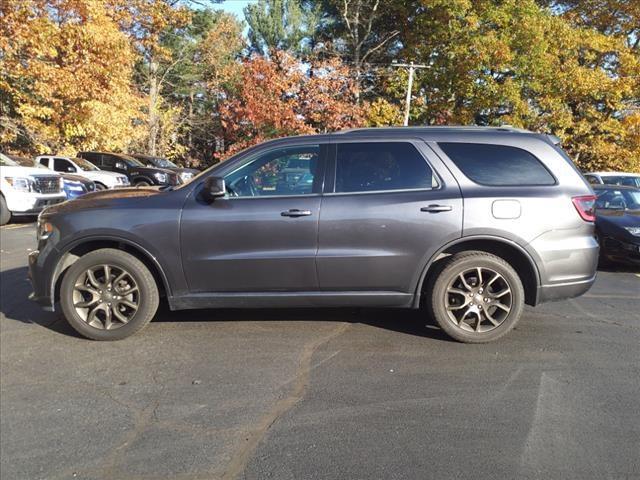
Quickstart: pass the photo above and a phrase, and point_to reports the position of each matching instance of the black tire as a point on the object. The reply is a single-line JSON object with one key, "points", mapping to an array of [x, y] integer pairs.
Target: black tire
{"points": [[100, 186], [142, 183], [5, 214], [445, 287], [147, 298]]}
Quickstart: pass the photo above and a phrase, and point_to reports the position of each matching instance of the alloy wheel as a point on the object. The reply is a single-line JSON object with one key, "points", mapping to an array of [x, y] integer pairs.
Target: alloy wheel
{"points": [[106, 296], [478, 300]]}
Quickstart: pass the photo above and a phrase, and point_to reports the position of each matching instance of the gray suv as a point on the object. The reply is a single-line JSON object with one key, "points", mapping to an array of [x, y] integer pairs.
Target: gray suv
{"points": [[468, 223]]}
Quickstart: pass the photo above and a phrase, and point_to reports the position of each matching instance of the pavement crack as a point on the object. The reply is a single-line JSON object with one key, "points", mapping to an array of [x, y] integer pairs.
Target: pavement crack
{"points": [[245, 451]]}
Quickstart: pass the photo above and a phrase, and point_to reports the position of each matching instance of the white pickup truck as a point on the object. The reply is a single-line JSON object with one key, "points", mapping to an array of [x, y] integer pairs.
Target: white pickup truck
{"points": [[26, 190]]}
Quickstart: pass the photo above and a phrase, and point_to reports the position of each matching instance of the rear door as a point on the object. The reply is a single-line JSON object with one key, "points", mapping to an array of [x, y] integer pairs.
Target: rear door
{"points": [[386, 210]]}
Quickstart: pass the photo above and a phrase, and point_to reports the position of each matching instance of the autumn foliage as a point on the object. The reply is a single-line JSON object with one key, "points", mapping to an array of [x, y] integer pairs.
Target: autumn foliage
{"points": [[171, 78], [279, 96]]}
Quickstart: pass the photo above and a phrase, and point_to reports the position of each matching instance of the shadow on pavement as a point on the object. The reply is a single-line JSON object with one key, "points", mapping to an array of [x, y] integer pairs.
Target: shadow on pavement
{"points": [[15, 305]]}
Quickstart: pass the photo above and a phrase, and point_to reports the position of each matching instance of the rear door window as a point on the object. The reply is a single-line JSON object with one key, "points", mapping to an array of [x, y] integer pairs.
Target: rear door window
{"points": [[381, 166], [497, 165]]}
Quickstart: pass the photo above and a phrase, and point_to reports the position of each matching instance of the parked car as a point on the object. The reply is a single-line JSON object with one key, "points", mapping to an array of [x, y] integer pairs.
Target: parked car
{"points": [[613, 178], [136, 172], [73, 185], [101, 178], [382, 225], [26, 190], [185, 174], [618, 223]]}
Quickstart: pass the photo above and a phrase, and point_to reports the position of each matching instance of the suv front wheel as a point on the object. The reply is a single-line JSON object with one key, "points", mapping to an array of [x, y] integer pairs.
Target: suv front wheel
{"points": [[477, 297], [108, 294]]}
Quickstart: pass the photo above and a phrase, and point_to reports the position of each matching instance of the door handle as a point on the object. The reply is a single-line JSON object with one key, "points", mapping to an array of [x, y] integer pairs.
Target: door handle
{"points": [[294, 212], [436, 208]]}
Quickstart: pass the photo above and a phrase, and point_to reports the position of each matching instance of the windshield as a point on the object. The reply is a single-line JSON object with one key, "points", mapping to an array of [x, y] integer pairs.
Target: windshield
{"points": [[162, 162], [132, 162], [618, 199], [85, 164], [26, 162], [7, 162]]}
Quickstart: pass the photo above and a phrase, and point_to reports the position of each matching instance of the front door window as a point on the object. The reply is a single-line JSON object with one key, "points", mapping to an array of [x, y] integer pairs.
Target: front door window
{"points": [[284, 171]]}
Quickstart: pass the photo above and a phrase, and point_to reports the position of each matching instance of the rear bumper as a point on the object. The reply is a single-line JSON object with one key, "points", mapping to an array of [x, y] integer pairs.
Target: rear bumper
{"points": [[562, 291]]}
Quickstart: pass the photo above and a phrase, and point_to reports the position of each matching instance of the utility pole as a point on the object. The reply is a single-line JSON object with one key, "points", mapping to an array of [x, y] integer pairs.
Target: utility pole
{"points": [[412, 68]]}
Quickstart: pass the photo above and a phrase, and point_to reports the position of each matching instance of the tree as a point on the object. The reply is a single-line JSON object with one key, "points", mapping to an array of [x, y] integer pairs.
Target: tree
{"points": [[360, 31], [516, 63], [619, 18], [276, 97], [65, 79], [281, 25]]}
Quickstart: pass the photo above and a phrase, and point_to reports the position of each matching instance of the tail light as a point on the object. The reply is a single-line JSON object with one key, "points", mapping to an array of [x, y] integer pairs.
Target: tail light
{"points": [[585, 205]]}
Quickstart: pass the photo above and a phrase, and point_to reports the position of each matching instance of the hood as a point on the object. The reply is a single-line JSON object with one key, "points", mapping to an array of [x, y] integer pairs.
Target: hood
{"points": [[149, 170], [103, 199], [75, 178], [11, 171], [614, 221], [101, 174]]}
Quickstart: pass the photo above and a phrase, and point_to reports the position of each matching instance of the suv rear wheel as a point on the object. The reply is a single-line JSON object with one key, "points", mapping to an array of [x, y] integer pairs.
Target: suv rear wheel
{"points": [[108, 294], [476, 297]]}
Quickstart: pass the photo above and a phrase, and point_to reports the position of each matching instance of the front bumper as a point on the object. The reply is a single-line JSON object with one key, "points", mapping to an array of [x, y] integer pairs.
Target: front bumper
{"points": [[621, 251], [41, 274], [25, 203]]}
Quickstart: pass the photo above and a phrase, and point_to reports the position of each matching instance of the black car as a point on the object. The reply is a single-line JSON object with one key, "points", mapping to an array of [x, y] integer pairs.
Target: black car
{"points": [[618, 223], [185, 174], [138, 173]]}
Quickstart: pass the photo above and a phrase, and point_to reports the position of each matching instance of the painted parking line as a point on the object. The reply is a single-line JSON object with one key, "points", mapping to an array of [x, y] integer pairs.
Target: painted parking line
{"points": [[627, 297], [13, 227]]}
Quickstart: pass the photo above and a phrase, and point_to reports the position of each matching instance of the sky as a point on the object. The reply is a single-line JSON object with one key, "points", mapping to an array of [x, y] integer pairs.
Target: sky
{"points": [[234, 6]]}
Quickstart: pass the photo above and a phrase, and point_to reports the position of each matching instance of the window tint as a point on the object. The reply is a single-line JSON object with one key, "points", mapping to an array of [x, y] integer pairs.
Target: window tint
{"points": [[44, 161], [285, 171], [497, 165], [365, 167], [62, 165], [621, 180]]}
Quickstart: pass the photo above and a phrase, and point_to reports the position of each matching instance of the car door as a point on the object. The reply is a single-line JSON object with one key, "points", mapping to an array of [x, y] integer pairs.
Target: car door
{"points": [[262, 236], [386, 211]]}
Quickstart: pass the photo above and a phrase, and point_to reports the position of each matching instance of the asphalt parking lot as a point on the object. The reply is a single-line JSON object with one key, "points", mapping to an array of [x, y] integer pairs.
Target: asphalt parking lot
{"points": [[326, 394]]}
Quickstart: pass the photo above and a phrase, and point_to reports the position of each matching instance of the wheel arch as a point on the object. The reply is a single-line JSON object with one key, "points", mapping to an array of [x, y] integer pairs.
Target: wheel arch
{"points": [[506, 249], [81, 247]]}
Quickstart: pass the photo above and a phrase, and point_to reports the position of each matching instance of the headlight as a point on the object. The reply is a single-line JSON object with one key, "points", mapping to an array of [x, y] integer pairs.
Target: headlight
{"points": [[186, 176], [123, 180], [45, 229], [635, 231], [161, 177], [23, 184]]}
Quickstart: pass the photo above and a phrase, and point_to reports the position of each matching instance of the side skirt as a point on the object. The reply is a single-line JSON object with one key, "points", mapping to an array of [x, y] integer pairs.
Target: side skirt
{"points": [[291, 299]]}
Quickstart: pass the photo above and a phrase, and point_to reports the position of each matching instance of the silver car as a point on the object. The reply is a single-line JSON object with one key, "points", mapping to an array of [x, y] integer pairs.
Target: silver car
{"points": [[468, 223]]}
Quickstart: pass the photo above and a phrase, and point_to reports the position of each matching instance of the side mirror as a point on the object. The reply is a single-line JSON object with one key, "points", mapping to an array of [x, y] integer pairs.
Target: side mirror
{"points": [[214, 187], [121, 166], [71, 169]]}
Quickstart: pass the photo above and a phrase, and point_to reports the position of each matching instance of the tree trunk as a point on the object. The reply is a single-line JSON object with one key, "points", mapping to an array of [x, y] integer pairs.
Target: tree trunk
{"points": [[153, 108]]}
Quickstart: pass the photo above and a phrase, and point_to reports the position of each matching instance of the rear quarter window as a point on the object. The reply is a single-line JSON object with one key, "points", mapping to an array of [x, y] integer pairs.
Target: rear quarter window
{"points": [[497, 165]]}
